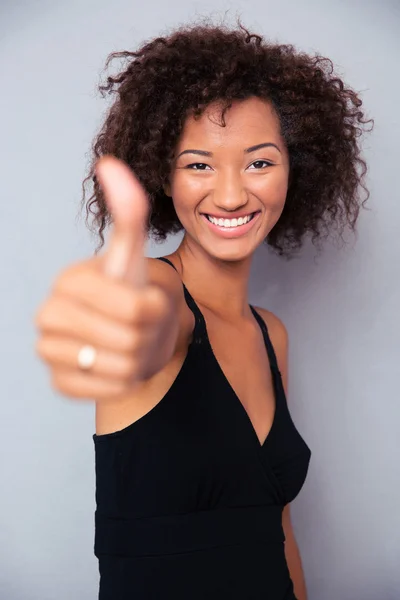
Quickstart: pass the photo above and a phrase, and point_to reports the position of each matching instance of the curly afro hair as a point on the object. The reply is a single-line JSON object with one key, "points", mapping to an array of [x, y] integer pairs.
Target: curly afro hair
{"points": [[172, 77]]}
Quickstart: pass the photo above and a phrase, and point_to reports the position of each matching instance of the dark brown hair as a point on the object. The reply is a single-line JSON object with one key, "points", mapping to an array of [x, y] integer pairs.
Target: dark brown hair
{"points": [[169, 78]]}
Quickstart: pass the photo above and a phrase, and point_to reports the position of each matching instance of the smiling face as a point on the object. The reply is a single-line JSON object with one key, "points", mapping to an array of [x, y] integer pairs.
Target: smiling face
{"points": [[238, 172]]}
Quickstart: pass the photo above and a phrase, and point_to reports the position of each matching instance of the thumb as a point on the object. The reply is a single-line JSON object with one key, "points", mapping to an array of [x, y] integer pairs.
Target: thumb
{"points": [[128, 204]]}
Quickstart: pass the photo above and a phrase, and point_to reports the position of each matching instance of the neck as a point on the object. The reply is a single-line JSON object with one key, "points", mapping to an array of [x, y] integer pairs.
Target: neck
{"points": [[217, 285]]}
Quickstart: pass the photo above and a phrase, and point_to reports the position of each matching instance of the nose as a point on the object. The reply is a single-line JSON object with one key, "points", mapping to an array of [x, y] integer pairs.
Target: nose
{"points": [[229, 193]]}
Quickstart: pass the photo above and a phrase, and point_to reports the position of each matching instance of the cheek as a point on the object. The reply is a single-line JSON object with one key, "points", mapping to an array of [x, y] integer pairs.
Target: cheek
{"points": [[271, 191], [187, 185], [187, 193], [182, 198]]}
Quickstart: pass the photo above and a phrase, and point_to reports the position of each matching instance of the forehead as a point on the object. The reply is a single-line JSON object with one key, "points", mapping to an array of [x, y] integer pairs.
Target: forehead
{"points": [[245, 120]]}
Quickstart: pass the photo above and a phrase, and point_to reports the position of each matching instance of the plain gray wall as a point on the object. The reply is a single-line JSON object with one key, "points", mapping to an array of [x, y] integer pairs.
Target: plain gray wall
{"points": [[341, 311]]}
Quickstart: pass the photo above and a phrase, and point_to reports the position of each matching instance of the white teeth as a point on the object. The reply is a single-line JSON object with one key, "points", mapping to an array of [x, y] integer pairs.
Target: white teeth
{"points": [[229, 222]]}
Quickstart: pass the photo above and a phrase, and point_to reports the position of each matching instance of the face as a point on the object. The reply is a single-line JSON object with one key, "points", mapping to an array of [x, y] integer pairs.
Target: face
{"points": [[229, 184]]}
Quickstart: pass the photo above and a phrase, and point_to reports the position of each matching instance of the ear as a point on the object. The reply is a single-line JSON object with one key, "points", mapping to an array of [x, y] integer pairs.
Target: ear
{"points": [[167, 189]]}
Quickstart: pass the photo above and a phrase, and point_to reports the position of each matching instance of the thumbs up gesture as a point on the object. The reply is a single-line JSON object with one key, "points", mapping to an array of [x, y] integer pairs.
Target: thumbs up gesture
{"points": [[128, 205], [111, 322]]}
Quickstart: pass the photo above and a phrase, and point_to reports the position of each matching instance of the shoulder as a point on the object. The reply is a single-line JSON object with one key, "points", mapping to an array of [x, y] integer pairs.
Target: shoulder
{"points": [[164, 275], [276, 328], [280, 339]]}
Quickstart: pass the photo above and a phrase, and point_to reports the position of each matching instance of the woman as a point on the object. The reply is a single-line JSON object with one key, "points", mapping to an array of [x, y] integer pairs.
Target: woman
{"points": [[237, 142]]}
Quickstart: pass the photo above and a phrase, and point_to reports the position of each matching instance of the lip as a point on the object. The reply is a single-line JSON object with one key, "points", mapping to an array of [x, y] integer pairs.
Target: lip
{"points": [[232, 232]]}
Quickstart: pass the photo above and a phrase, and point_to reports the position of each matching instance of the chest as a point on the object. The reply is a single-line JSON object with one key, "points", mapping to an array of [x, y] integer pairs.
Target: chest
{"points": [[242, 358], [241, 354]]}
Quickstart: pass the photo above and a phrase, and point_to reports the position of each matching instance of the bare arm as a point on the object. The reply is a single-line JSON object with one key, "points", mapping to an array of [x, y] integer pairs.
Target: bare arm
{"points": [[293, 558]]}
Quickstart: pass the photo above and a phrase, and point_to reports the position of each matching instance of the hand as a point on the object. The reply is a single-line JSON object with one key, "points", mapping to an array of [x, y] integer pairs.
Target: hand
{"points": [[107, 303]]}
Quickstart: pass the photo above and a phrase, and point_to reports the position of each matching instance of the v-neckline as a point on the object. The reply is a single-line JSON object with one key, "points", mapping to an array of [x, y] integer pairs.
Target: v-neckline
{"points": [[246, 415], [200, 324]]}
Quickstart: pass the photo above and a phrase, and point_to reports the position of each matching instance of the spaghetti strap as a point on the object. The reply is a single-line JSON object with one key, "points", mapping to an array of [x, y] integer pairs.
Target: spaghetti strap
{"points": [[267, 339], [200, 330], [167, 261]]}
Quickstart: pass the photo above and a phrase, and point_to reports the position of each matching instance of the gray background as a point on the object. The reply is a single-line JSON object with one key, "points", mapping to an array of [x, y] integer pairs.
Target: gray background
{"points": [[341, 311]]}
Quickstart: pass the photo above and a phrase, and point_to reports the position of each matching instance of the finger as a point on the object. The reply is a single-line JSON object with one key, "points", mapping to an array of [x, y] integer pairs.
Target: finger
{"points": [[63, 353], [128, 204], [83, 385], [112, 298], [62, 317]]}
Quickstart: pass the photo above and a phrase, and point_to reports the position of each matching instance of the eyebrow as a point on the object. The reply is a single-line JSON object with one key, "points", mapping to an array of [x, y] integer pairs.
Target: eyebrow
{"points": [[247, 150]]}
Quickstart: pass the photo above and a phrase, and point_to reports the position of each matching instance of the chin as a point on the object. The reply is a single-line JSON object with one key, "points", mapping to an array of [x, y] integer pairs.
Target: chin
{"points": [[230, 252]]}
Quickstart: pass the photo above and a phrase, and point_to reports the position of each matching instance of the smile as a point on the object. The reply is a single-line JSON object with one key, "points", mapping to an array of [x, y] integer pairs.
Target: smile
{"points": [[227, 223], [231, 228]]}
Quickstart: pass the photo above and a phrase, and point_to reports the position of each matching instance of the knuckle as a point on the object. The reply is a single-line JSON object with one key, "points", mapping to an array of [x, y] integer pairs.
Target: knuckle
{"points": [[143, 305], [132, 313], [58, 382], [130, 340], [38, 318], [42, 316], [71, 279], [128, 369], [64, 383], [135, 305], [41, 347], [157, 296], [63, 281], [163, 304], [49, 314], [57, 314]]}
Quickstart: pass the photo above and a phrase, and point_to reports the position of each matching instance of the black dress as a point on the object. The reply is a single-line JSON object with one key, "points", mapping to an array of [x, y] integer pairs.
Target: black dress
{"points": [[188, 502]]}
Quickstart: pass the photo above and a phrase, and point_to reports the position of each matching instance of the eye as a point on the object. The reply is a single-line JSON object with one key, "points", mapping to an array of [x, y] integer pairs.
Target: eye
{"points": [[197, 166], [261, 164]]}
